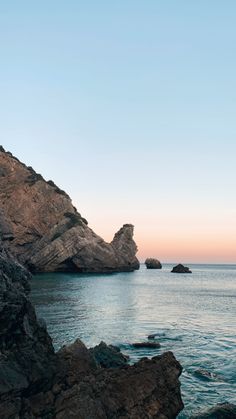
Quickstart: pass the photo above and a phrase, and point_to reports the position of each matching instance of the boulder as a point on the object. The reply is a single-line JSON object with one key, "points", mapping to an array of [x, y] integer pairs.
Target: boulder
{"points": [[220, 411], [152, 263], [46, 233], [181, 269]]}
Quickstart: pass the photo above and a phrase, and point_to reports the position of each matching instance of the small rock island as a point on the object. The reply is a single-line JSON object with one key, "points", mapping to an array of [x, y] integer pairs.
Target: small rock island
{"points": [[152, 263], [181, 269]]}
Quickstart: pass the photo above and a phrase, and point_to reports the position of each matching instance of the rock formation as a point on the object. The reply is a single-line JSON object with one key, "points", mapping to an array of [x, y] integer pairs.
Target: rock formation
{"points": [[47, 234], [27, 359], [36, 382], [181, 269], [152, 263]]}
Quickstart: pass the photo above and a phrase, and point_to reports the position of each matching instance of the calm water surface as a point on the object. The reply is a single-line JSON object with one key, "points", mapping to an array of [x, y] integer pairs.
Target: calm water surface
{"points": [[195, 316]]}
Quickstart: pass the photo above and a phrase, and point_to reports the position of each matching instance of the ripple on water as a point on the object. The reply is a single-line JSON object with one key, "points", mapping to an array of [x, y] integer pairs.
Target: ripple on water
{"points": [[194, 316]]}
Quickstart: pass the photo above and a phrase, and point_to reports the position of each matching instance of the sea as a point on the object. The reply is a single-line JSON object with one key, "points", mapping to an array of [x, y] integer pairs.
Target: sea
{"points": [[193, 315]]}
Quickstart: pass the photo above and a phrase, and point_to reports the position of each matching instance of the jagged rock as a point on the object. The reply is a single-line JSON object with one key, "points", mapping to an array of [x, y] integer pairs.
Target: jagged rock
{"points": [[36, 382], [27, 359], [46, 233], [181, 269], [108, 356], [75, 361], [152, 263], [220, 411], [149, 345], [150, 389], [137, 391]]}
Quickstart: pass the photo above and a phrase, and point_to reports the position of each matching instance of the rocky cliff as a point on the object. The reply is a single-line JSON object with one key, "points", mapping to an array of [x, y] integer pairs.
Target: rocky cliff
{"points": [[46, 233], [36, 382]]}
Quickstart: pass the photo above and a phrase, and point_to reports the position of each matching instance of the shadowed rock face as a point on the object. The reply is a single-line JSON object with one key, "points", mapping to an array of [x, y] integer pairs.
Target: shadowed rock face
{"points": [[27, 359], [36, 382], [47, 234]]}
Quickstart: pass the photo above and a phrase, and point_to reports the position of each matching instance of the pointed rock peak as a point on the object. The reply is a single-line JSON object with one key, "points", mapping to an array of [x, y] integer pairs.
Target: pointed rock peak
{"points": [[127, 232], [2, 150], [124, 243]]}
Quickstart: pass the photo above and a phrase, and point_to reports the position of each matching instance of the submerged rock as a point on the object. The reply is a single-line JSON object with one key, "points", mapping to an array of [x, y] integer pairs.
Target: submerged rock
{"points": [[36, 382], [149, 345], [152, 263], [207, 375], [47, 234], [156, 335], [181, 269], [220, 411]]}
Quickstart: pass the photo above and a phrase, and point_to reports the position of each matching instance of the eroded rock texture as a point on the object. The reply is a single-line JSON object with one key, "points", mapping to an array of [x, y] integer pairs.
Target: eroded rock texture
{"points": [[47, 234], [36, 382], [27, 359]]}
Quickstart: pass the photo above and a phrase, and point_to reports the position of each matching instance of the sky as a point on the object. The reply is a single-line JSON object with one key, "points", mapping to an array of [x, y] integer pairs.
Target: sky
{"points": [[130, 107]]}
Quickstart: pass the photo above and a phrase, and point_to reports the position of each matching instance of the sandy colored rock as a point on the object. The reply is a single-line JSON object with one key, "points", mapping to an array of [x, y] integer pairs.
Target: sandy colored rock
{"points": [[45, 231]]}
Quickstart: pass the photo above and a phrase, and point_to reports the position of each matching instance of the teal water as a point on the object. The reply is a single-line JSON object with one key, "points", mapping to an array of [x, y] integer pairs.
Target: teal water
{"points": [[195, 316]]}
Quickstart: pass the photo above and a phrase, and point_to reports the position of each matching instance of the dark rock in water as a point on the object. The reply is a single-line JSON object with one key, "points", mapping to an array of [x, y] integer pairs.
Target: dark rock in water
{"points": [[149, 345], [152, 263], [36, 382], [46, 233], [156, 335], [220, 411], [108, 356], [181, 269], [207, 375]]}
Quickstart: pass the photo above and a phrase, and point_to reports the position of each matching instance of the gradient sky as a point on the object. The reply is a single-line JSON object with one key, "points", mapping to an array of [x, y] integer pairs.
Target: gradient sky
{"points": [[130, 106]]}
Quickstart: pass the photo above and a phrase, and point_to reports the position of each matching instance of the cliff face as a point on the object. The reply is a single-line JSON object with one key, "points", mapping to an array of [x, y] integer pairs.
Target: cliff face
{"points": [[46, 233], [36, 382], [26, 352]]}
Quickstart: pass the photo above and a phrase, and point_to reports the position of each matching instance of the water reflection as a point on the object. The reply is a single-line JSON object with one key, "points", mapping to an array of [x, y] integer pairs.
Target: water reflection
{"points": [[194, 314]]}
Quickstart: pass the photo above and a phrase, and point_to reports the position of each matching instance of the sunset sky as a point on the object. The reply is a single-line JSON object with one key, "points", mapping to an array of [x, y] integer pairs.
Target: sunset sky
{"points": [[130, 107]]}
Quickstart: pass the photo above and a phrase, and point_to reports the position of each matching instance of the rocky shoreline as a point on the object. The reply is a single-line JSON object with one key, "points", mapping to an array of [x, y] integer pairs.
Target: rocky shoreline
{"points": [[41, 231], [36, 382]]}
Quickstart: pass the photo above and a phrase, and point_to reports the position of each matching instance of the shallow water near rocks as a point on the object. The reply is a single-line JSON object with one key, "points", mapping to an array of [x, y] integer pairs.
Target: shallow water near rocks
{"points": [[194, 315]]}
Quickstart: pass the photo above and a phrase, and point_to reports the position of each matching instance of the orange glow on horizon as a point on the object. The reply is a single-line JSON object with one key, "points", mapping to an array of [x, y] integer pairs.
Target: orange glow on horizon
{"points": [[192, 248], [200, 237]]}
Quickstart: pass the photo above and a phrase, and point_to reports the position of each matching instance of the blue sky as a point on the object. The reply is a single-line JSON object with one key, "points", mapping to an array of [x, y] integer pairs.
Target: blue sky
{"points": [[130, 107]]}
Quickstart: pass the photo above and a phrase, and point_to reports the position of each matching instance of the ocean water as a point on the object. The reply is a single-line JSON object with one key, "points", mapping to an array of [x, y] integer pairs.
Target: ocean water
{"points": [[194, 315]]}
